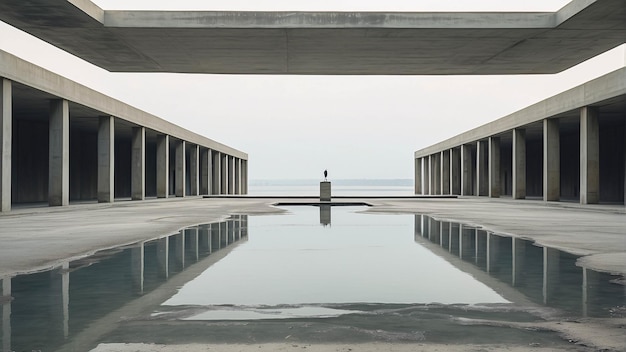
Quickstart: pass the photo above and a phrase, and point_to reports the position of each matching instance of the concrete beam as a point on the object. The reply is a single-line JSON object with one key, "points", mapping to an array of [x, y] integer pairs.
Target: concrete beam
{"points": [[20, 71], [589, 156], [180, 169], [519, 163], [163, 165], [322, 43], [59, 153], [494, 167], [600, 91], [106, 159], [551, 160], [6, 134], [138, 164]]}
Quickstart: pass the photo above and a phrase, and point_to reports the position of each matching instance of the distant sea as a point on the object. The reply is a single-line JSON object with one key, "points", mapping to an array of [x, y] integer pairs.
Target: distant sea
{"points": [[340, 187]]}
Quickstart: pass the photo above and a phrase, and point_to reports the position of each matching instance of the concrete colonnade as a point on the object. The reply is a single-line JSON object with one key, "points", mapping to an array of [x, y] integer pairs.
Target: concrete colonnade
{"points": [[577, 154], [60, 150]]}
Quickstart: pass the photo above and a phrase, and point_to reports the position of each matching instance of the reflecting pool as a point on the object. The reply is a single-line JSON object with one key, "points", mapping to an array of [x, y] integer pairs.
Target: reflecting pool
{"points": [[313, 274]]}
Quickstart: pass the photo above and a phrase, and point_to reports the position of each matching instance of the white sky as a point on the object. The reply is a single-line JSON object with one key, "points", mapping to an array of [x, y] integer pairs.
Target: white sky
{"points": [[297, 126]]}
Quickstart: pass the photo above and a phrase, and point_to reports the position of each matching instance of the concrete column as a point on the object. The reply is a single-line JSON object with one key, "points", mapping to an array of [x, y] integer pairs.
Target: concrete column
{"points": [[445, 171], [466, 170], [436, 169], [551, 160], [137, 263], [217, 172], [205, 171], [59, 153], [589, 156], [231, 175], [138, 164], [194, 169], [519, 163], [180, 169], [455, 171], [426, 174], [6, 134], [482, 177], [494, 167], [418, 176], [244, 173], [106, 160], [237, 187], [163, 165], [224, 167]]}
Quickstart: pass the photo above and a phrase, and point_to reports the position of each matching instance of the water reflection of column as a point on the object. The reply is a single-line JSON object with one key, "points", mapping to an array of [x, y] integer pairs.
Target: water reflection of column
{"points": [[417, 224], [444, 234], [590, 285], [231, 231], [454, 238], [163, 251], [244, 225], [425, 226], [223, 234], [325, 217], [204, 238], [137, 258], [239, 230], [5, 305], [519, 252], [492, 251], [60, 296], [433, 234], [550, 272], [191, 235], [215, 237], [466, 242], [179, 248]]}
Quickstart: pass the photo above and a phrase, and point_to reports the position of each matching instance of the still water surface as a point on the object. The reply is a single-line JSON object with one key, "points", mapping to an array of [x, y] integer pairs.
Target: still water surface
{"points": [[331, 274]]}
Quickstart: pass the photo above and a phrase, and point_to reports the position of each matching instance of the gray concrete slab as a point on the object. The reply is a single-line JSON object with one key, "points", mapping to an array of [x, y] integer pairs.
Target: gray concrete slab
{"points": [[390, 43], [39, 238]]}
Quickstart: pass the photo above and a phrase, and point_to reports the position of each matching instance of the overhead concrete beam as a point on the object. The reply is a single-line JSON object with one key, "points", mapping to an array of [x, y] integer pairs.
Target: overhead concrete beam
{"points": [[336, 43]]}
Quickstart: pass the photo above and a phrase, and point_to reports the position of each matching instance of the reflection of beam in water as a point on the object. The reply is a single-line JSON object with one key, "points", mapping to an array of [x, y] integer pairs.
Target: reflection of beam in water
{"points": [[325, 215], [5, 305]]}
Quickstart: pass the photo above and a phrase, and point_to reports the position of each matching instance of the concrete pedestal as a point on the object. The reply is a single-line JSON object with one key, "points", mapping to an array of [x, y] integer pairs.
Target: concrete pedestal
{"points": [[325, 191]]}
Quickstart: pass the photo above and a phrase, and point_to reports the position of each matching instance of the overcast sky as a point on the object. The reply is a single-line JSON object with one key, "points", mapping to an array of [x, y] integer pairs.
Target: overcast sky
{"points": [[297, 126]]}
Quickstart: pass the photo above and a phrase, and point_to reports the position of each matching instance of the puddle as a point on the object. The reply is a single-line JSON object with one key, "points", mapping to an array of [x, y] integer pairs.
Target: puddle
{"points": [[315, 274]]}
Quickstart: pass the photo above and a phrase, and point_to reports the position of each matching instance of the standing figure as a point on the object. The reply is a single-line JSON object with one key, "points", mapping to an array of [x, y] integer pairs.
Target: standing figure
{"points": [[325, 175]]}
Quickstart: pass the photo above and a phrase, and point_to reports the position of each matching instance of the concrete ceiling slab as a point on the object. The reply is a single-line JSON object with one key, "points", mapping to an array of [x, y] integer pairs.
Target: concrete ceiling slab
{"points": [[324, 43]]}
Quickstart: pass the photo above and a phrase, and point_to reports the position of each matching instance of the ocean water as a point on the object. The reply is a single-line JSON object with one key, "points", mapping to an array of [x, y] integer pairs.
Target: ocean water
{"points": [[400, 187]]}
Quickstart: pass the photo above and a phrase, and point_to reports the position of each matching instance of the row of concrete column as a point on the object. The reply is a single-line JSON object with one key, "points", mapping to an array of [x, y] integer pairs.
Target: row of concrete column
{"points": [[475, 168], [494, 253], [210, 171]]}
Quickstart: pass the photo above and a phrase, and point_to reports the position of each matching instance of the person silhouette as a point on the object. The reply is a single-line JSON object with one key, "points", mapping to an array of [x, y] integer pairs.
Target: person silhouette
{"points": [[325, 174]]}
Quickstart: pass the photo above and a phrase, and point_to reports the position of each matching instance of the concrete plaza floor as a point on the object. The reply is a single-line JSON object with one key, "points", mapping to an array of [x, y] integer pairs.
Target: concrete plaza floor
{"points": [[36, 238]]}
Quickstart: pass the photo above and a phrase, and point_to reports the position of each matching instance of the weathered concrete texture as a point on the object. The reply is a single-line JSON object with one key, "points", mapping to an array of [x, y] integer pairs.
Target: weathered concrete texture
{"points": [[5, 144], [325, 42], [59, 153]]}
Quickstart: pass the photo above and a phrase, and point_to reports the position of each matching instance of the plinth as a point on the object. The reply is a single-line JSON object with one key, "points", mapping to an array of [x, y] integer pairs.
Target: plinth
{"points": [[325, 191]]}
